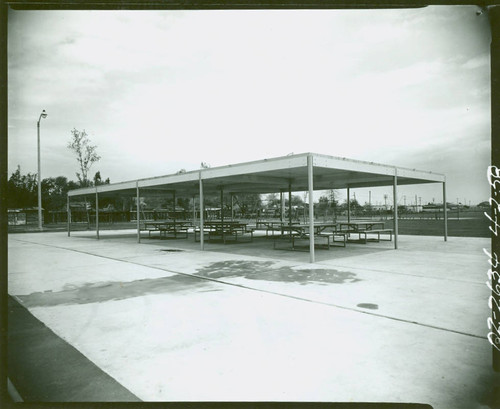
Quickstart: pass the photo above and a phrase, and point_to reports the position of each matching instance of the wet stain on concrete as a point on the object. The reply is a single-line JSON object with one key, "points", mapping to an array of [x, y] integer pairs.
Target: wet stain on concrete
{"points": [[112, 290], [115, 290], [368, 306], [262, 270]]}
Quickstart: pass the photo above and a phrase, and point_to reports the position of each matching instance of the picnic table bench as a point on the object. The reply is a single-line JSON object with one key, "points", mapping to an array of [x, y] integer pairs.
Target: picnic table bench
{"points": [[378, 233]]}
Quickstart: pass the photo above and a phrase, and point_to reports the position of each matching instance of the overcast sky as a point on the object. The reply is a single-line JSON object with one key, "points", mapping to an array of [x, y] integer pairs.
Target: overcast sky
{"points": [[158, 91]]}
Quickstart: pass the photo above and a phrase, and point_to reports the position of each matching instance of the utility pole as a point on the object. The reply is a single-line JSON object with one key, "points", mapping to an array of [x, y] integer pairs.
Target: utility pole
{"points": [[39, 173]]}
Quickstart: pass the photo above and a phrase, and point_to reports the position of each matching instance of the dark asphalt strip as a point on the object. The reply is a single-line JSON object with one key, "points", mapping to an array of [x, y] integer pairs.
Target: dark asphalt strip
{"points": [[45, 368]]}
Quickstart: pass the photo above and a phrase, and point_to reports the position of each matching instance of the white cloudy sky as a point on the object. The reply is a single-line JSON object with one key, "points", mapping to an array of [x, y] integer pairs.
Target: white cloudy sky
{"points": [[158, 91]]}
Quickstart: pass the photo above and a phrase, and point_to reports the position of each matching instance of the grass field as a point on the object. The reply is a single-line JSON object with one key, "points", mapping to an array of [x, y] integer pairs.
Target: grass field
{"points": [[474, 227]]}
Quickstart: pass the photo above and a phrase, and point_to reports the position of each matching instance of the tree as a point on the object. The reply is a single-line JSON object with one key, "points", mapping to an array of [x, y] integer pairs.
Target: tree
{"points": [[297, 201], [249, 203], [323, 205], [355, 206], [368, 208], [333, 196], [184, 202], [272, 200], [98, 180], [86, 154], [54, 192], [22, 190]]}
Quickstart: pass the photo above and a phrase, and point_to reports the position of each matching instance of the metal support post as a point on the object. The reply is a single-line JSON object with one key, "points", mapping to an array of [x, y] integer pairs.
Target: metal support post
{"points": [[68, 216], [138, 213], [445, 213], [348, 205], [395, 194], [311, 207], [96, 214], [222, 212], [202, 216], [290, 209]]}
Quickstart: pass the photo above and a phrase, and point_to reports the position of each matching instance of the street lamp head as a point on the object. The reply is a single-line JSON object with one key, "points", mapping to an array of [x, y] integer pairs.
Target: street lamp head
{"points": [[43, 114]]}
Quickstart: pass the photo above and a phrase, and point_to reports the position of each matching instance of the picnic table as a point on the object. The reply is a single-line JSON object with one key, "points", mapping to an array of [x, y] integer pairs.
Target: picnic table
{"points": [[303, 228], [300, 231], [273, 226], [229, 230], [366, 228], [360, 226], [168, 228]]}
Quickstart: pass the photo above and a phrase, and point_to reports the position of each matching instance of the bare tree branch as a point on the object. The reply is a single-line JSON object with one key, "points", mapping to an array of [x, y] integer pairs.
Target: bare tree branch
{"points": [[86, 154]]}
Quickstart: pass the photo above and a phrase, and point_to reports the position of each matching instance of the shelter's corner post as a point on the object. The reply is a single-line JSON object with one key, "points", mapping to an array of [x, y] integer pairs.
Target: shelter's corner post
{"points": [[395, 210], [445, 213], [96, 214], [138, 210], [202, 216], [310, 181], [348, 205], [68, 216]]}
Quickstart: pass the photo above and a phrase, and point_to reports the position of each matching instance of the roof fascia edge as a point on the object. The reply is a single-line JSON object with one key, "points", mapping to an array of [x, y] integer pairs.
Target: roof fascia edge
{"points": [[352, 165], [169, 179], [320, 159], [420, 174], [280, 163]]}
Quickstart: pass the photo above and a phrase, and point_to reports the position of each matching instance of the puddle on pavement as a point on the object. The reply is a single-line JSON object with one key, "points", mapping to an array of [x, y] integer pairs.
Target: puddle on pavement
{"points": [[368, 306], [112, 290], [253, 270], [262, 270], [171, 250]]}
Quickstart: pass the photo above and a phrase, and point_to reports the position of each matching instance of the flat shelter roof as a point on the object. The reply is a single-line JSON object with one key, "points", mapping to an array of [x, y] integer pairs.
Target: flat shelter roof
{"points": [[273, 175]]}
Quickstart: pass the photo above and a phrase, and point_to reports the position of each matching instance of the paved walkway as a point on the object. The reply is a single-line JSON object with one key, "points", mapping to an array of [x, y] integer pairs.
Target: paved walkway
{"points": [[171, 323], [46, 368]]}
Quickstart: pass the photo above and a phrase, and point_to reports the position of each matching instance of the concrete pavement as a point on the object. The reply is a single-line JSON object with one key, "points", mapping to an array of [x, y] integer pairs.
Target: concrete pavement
{"points": [[365, 323], [46, 368]]}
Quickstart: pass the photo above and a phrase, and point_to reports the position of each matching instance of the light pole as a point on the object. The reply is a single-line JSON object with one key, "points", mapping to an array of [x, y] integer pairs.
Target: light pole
{"points": [[42, 115]]}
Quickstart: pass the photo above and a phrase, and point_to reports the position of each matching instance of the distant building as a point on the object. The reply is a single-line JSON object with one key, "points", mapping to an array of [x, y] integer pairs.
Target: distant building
{"points": [[436, 207], [19, 217]]}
